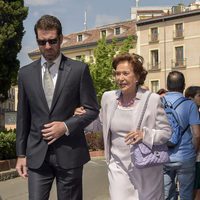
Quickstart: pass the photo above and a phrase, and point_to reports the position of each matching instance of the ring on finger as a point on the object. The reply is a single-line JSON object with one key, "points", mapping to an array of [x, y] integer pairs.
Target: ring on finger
{"points": [[132, 139]]}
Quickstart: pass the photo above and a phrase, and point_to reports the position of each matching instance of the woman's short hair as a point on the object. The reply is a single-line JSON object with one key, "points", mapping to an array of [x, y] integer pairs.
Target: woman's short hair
{"points": [[48, 22], [161, 91], [136, 62]]}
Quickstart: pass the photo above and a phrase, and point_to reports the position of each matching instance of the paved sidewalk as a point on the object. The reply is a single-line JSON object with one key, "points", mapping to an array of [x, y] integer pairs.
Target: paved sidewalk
{"points": [[95, 184]]}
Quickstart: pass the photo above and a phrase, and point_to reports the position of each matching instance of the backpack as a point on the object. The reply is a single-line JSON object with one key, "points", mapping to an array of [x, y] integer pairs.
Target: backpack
{"points": [[177, 130]]}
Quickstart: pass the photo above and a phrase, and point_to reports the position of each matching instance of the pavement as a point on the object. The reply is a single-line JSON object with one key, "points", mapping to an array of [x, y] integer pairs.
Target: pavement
{"points": [[95, 184]]}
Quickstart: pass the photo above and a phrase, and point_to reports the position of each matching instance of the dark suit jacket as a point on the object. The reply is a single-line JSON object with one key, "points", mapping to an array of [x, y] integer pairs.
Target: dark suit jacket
{"points": [[74, 87]]}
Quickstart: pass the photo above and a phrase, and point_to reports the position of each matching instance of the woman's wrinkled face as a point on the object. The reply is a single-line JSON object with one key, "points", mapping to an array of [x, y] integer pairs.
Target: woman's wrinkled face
{"points": [[125, 77]]}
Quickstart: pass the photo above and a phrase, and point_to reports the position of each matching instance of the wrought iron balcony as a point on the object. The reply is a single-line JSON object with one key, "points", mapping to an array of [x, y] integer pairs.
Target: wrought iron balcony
{"points": [[179, 63], [178, 34], [153, 67], [153, 38]]}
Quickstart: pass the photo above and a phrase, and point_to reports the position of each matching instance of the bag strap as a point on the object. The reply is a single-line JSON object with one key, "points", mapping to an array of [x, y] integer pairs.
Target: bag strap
{"points": [[174, 106], [179, 101], [143, 111]]}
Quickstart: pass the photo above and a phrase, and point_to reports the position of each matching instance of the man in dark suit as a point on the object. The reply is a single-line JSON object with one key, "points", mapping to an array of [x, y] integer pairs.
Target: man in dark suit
{"points": [[50, 139]]}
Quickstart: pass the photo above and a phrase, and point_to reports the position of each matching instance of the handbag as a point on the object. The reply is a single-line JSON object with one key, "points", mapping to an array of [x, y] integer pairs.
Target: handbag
{"points": [[142, 156]]}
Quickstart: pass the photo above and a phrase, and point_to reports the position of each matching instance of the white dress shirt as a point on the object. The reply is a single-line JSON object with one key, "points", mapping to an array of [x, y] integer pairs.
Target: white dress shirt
{"points": [[53, 70], [54, 74]]}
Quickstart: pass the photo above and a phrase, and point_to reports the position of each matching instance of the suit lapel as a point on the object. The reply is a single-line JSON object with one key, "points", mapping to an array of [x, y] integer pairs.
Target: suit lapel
{"points": [[63, 73]]}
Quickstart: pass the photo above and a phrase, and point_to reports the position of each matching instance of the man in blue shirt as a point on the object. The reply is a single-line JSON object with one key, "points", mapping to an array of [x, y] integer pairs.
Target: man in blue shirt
{"points": [[183, 156]]}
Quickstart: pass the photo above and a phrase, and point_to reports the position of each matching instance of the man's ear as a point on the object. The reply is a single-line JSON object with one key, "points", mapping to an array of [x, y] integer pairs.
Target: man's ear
{"points": [[61, 39]]}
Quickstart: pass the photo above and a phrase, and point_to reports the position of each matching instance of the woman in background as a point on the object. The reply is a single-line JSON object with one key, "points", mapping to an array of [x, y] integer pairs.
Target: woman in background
{"points": [[119, 116], [161, 92], [193, 93]]}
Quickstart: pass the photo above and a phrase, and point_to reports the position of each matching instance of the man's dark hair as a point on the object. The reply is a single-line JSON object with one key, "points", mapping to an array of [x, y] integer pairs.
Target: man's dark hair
{"points": [[48, 22], [175, 81], [191, 91]]}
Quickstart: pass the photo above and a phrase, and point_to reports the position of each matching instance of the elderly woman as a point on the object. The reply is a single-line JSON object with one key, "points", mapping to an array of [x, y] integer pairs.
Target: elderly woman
{"points": [[120, 110]]}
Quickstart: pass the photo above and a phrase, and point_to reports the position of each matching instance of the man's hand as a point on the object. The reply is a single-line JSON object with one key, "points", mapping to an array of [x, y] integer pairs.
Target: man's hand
{"points": [[52, 131], [21, 167]]}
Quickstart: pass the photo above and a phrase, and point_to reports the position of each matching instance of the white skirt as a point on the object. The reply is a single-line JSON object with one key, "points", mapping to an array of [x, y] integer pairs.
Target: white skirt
{"points": [[139, 184]]}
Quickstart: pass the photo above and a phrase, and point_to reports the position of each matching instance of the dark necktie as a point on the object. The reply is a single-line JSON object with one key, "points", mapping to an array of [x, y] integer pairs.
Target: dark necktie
{"points": [[48, 83]]}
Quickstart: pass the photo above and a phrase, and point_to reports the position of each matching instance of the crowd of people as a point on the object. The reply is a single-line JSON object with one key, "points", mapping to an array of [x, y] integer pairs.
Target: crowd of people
{"points": [[57, 102]]}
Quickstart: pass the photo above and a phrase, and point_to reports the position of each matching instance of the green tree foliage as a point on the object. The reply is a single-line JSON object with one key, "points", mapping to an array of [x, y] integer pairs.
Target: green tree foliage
{"points": [[128, 43], [101, 66], [12, 14]]}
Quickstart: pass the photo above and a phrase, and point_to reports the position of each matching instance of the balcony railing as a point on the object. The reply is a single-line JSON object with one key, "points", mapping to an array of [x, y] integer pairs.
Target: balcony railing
{"points": [[153, 38], [180, 63], [153, 67], [178, 34]]}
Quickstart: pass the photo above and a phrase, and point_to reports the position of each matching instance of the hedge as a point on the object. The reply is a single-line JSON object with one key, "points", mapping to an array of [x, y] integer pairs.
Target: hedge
{"points": [[94, 141], [7, 145]]}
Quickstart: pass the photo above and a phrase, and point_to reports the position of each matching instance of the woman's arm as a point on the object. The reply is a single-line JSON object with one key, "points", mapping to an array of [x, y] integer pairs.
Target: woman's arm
{"points": [[160, 132]]}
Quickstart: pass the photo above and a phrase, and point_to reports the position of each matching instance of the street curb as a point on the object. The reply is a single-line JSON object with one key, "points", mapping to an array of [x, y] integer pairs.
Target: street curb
{"points": [[98, 158], [12, 173], [5, 175]]}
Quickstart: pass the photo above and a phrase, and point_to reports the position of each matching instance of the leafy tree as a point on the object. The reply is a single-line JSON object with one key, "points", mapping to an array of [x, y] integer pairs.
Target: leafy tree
{"points": [[12, 14], [128, 44], [101, 68]]}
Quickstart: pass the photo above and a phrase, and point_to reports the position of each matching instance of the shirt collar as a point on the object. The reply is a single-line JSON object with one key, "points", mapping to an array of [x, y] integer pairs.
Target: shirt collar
{"points": [[173, 94], [56, 61]]}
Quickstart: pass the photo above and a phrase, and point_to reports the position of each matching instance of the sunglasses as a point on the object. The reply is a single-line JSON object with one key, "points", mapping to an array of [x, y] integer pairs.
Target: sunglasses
{"points": [[50, 41]]}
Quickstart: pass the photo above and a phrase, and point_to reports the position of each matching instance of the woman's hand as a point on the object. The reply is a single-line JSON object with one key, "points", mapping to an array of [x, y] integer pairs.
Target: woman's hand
{"points": [[133, 137], [79, 111]]}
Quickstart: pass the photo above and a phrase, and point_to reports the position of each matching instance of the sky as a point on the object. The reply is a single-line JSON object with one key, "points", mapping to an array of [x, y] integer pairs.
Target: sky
{"points": [[71, 13]]}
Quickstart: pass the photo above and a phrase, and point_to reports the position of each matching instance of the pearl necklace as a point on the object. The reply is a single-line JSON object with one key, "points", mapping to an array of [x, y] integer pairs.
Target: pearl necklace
{"points": [[125, 104]]}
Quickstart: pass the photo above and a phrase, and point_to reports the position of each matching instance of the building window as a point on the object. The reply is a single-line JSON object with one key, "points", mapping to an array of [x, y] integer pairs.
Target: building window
{"points": [[179, 62], [117, 31], [91, 59], [80, 38], [178, 30], [154, 59], [78, 57], [103, 33], [154, 34], [154, 85]]}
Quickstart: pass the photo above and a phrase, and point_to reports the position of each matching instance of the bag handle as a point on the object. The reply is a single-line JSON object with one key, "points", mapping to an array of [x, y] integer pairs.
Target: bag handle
{"points": [[143, 111]]}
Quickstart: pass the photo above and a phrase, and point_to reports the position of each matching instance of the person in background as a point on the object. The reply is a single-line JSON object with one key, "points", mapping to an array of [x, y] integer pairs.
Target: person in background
{"points": [[120, 110], [50, 140], [193, 93], [161, 92], [183, 156]]}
